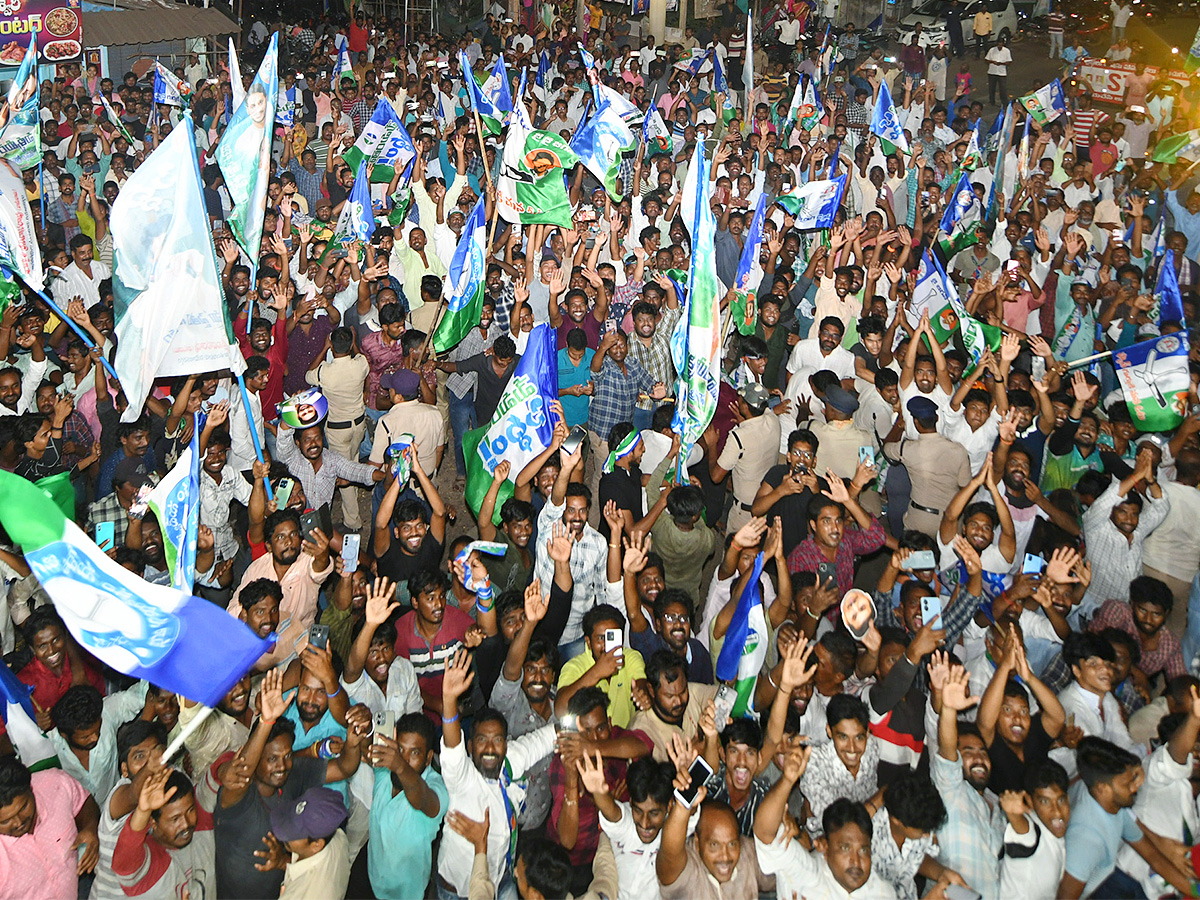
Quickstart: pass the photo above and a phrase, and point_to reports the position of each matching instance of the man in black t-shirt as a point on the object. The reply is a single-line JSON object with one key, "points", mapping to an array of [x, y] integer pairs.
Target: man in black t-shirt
{"points": [[409, 535], [263, 776], [787, 488]]}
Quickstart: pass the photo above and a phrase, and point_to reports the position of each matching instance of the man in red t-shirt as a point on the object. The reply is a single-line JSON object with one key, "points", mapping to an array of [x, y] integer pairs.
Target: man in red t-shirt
{"points": [[431, 633]]}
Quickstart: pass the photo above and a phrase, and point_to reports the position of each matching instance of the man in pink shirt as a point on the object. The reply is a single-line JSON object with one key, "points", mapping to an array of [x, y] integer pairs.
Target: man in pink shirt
{"points": [[300, 567], [44, 818]]}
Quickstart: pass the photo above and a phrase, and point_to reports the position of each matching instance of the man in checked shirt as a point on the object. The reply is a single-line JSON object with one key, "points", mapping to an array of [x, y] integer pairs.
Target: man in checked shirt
{"points": [[318, 468]]}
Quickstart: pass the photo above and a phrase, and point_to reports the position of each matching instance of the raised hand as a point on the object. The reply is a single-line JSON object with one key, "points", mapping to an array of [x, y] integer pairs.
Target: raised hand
{"points": [[458, 675], [796, 670], [535, 604], [956, 693], [379, 606], [561, 542], [272, 704], [750, 534], [591, 773]]}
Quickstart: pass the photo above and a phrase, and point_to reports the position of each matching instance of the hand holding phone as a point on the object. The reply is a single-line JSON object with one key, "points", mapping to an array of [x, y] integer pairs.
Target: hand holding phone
{"points": [[699, 772], [106, 535]]}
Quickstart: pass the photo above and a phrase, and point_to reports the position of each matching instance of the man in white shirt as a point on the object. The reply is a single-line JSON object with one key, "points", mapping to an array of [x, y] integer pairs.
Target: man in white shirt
{"points": [[1088, 698], [490, 778], [1171, 552], [825, 351], [843, 867], [83, 276]]}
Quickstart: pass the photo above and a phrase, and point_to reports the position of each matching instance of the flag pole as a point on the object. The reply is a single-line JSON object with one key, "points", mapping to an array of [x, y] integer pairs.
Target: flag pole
{"points": [[437, 320], [1087, 360], [42, 197], [253, 432], [83, 335], [188, 730], [482, 150]]}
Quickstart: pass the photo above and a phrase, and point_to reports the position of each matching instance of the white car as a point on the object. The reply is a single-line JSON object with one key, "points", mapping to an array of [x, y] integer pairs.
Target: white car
{"points": [[931, 16]]}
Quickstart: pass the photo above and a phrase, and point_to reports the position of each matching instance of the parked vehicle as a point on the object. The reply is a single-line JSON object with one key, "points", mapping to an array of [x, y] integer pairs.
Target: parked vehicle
{"points": [[931, 16]]}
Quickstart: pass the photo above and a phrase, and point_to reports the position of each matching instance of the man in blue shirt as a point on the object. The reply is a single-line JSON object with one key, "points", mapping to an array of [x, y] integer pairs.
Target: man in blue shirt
{"points": [[407, 809], [1101, 820]]}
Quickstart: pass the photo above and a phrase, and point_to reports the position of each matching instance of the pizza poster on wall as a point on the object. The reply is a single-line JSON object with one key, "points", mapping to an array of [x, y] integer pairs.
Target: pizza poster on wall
{"points": [[59, 27]]}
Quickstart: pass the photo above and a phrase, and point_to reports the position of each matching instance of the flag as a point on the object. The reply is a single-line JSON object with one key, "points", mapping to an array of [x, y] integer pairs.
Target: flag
{"points": [[175, 502], [285, 114], [618, 102], [115, 119], [491, 97], [721, 87], [1169, 149], [1046, 103], [745, 646], [589, 69], [171, 315], [797, 100], [655, 134], [748, 65], [993, 135], [813, 205], [356, 222], [532, 187], [384, 143], [811, 110], [21, 134], [743, 307], [1154, 376], [963, 209], [695, 343], [1170, 302], [464, 282], [244, 154], [972, 156], [19, 250], [236, 89], [523, 423], [543, 70], [59, 489], [1004, 141], [692, 65], [1192, 62], [169, 88], [1023, 152], [935, 294], [343, 69], [884, 122], [599, 144], [173, 640], [20, 723]]}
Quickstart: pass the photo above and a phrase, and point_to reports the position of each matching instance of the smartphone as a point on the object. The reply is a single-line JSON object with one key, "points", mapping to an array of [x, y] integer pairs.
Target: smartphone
{"points": [[309, 521], [574, 439], [283, 492], [568, 723], [385, 725], [723, 705], [1033, 565], [866, 456], [958, 892], [318, 636], [613, 638], [700, 772], [931, 608], [1037, 368], [919, 560], [350, 544], [106, 535], [1012, 267]]}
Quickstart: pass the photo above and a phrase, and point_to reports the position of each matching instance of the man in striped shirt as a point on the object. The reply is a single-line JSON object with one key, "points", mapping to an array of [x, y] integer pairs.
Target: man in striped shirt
{"points": [[431, 633]]}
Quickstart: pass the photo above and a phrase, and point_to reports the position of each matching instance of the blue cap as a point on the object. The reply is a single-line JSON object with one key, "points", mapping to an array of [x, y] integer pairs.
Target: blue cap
{"points": [[315, 814], [922, 408]]}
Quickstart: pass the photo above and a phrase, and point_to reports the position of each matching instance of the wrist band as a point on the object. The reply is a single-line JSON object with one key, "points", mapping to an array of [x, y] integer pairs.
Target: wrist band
{"points": [[811, 614], [483, 609], [453, 718], [334, 694], [324, 750], [268, 722]]}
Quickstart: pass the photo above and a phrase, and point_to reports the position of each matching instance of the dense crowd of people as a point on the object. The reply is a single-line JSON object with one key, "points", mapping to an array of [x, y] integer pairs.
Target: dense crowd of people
{"points": [[960, 595]]}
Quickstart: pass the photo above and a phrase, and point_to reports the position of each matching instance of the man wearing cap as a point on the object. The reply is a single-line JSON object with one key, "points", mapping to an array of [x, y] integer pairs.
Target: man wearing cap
{"points": [[341, 381], [264, 776], [128, 478], [937, 466], [318, 468], [409, 415], [839, 439], [751, 448], [307, 843]]}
